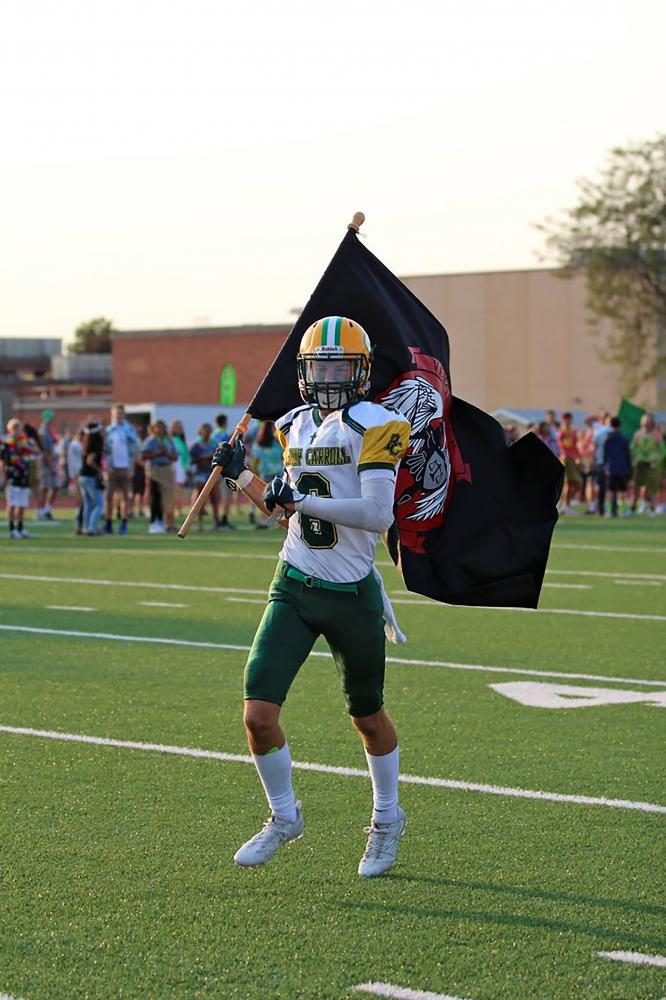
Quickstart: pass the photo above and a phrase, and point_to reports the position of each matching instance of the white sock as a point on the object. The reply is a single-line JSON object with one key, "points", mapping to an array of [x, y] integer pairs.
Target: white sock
{"points": [[384, 772], [275, 772]]}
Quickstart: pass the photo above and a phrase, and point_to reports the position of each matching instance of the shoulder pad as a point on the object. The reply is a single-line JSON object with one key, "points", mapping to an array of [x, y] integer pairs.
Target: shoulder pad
{"points": [[364, 415], [284, 423]]}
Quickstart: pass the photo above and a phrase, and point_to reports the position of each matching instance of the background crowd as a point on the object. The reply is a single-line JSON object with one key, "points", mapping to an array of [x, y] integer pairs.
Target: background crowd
{"points": [[115, 472], [119, 471], [605, 472]]}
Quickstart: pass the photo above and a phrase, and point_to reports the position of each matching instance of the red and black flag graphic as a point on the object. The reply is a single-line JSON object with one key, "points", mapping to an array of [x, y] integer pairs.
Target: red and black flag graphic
{"points": [[474, 517]]}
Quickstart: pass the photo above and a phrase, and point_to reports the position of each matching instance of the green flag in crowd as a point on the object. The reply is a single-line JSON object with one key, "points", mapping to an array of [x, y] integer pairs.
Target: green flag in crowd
{"points": [[630, 418]]}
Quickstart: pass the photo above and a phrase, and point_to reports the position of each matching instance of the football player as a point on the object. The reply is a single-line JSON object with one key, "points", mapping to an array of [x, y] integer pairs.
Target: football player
{"points": [[341, 453]]}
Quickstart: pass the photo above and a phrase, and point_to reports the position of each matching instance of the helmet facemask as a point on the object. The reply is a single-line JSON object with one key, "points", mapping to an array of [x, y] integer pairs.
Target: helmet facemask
{"points": [[332, 379]]}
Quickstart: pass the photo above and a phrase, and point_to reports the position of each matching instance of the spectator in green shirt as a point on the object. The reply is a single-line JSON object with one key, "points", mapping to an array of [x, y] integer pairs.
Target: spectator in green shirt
{"points": [[647, 450]]}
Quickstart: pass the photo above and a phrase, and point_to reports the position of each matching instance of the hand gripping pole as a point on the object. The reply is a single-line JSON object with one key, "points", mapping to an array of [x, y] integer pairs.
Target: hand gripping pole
{"points": [[211, 482]]}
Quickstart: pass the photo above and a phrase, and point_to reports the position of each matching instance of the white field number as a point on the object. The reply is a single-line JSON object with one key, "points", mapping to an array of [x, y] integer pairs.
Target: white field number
{"points": [[537, 695]]}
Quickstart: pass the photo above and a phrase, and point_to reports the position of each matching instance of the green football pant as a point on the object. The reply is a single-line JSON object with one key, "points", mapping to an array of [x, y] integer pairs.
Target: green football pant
{"points": [[297, 613]]}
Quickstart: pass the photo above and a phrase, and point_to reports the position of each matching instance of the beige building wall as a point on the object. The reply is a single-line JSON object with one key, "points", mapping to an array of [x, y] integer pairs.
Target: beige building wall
{"points": [[522, 339]]}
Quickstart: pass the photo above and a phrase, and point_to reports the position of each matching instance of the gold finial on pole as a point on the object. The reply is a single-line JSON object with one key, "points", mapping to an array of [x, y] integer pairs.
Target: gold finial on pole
{"points": [[357, 221]]}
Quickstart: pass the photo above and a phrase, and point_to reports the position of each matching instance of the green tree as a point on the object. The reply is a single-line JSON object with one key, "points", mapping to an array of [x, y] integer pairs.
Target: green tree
{"points": [[616, 236], [93, 337]]}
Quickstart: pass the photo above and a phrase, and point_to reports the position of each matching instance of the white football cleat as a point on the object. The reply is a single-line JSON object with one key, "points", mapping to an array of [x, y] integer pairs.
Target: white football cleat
{"points": [[271, 837], [382, 847]]}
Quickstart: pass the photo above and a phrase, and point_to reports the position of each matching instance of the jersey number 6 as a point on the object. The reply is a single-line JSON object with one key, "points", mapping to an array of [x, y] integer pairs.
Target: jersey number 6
{"points": [[316, 534]]}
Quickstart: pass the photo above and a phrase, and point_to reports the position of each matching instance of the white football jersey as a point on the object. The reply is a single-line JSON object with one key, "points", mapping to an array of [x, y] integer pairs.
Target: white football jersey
{"points": [[328, 457]]}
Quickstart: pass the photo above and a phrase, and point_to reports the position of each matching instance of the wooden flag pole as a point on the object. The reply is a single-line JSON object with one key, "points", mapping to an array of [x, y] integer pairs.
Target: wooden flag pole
{"points": [[211, 482]]}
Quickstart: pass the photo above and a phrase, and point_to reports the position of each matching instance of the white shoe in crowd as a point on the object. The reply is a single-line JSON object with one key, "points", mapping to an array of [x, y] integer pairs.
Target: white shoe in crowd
{"points": [[275, 833], [382, 847], [156, 528]]}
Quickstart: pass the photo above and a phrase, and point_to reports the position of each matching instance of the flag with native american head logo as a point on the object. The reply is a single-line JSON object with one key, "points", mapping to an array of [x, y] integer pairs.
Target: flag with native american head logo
{"points": [[473, 517]]}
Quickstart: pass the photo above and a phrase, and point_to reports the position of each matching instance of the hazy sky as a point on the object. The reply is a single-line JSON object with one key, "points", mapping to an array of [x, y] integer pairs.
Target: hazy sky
{"points": [[186, 162]]}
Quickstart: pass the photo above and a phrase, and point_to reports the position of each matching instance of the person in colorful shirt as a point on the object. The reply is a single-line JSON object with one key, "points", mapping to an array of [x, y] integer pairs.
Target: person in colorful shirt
{"points": [[201, 454], [160, 453], [16, 453], [586, 449], [91, 477], [341, 454], [49, 467], [223, 495], [647, 450], [549, 434], [567, 442], [266, 455], [120, 445], [177, 435], [601, 430], [617, 460]]}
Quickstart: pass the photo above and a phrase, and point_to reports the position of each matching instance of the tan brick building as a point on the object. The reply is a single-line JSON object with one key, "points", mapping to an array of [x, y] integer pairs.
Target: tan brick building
{"points": [[521, 339]]}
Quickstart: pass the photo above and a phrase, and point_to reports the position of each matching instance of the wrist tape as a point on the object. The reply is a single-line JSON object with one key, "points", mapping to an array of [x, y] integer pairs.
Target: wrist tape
{"points": [[244, 479]]}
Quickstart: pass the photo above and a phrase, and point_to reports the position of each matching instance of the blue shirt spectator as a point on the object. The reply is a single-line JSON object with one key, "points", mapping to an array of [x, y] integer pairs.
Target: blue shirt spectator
{"points": [[121, 442], [267, 452], [159, 449], [201, 454], [617, 456], [221, 434]]}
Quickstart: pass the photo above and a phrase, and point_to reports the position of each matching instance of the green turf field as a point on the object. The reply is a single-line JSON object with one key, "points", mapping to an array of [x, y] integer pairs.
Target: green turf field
{"points": [[116, 872]]}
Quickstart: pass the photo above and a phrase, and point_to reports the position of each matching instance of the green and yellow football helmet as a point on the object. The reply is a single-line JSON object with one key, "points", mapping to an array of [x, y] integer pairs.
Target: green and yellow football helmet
{"points": [[334, 363]]}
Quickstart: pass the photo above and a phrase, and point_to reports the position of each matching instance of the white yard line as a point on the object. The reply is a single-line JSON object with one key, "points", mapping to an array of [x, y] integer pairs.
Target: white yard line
{"points": [[272, 557], [409, 662], [90, 582], [608, 548], [174, 553], [423, 602], [262, 538], [586, 614], [639, 583], [608, 575], [568, 586], [400, 992], [346, 772], [161, 604], [634, 958], [67, 607]]}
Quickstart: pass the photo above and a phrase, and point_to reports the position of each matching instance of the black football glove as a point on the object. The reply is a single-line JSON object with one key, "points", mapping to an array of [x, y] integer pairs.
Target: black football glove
{"points": [[230, 458], [279, 493]]}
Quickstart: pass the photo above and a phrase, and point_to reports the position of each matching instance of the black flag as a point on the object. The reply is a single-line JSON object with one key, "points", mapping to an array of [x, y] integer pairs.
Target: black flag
{"points": [[474, 517]]}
